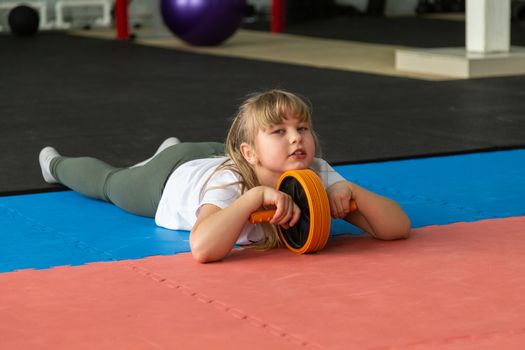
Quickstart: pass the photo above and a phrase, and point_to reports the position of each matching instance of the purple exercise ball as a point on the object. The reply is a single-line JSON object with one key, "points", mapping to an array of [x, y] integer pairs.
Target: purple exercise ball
{"points": [[203, 22]]}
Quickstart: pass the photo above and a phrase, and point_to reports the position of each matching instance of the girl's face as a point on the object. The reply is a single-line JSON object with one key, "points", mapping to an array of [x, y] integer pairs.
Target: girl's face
{"points": [[286, 146]]}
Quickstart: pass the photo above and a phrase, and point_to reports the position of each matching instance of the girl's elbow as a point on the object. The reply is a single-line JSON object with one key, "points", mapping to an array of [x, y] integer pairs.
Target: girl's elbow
{"points": [[406, 227], [402, 234], [399, 231], [391, 235], [200, 254], [402, 231], [201, 258], [203, 253]]}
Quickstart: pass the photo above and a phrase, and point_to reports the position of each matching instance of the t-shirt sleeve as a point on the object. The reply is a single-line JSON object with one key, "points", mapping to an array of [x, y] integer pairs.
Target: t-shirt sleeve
{"points": [[327, 174], [222, 189]]}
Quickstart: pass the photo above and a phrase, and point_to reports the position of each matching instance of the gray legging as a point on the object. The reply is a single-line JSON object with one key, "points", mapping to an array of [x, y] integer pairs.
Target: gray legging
{"points": [[136, 190]]}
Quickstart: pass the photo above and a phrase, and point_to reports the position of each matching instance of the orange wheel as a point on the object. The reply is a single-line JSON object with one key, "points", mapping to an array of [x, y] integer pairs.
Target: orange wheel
{"points": [[311, 233]]}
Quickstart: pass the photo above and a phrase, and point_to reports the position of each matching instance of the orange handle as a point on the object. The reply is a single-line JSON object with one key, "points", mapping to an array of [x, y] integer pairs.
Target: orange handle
{"points": [[267, 215], [353, 205], [262, 216]]}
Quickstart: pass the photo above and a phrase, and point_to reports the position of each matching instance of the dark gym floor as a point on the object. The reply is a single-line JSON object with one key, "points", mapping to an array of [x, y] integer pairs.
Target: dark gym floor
{"points": [[118, 101], [413, 31]]}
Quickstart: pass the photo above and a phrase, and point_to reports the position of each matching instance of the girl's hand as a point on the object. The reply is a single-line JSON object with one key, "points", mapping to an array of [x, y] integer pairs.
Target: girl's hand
{"points": [[287, 213], [339, 196]]}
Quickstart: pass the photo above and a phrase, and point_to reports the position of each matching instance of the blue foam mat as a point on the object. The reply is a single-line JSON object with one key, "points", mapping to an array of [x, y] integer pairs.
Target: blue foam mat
{"points": [[64, 228], [443, 190]]}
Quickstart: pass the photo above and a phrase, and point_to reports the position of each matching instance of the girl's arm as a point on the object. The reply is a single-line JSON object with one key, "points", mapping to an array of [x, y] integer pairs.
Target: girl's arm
{"points": [[377, 215], [217, 230]]}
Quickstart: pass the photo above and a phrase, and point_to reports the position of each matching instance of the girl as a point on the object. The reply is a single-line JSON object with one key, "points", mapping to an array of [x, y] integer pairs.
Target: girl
{"points": [[211, 188]]}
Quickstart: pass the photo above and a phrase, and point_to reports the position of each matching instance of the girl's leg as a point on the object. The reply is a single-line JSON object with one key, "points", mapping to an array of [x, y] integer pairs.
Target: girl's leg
{"points": [[85, 175], [130, 189], [170, 141], [137, 190]]}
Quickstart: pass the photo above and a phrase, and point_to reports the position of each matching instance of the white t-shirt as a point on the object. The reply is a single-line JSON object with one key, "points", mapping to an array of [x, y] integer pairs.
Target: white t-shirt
{"points": [[196, 183]]}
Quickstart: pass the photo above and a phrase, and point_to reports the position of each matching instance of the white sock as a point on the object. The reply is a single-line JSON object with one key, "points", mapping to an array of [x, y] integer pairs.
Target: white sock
{"points": [[47, 154], [170, 141]]}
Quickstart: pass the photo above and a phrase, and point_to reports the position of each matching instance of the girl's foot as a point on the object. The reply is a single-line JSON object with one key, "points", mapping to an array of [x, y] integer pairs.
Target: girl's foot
{"points": [[47, 154], [170, 141]]}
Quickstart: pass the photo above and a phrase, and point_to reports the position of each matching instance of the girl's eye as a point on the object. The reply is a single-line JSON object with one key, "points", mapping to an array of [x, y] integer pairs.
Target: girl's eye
{"points": [[278, 132], [302, 129]]}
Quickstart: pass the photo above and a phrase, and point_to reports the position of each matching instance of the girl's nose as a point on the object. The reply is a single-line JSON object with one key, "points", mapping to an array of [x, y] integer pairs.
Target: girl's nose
{"points": [[295, 137]]}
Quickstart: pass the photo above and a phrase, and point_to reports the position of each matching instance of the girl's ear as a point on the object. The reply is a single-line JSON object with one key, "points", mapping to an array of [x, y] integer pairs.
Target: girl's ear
{"points": [[248, 153]]}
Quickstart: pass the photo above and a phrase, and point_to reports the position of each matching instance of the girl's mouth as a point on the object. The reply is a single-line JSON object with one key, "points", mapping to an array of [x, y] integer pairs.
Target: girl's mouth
{"points": [[298, 154]]}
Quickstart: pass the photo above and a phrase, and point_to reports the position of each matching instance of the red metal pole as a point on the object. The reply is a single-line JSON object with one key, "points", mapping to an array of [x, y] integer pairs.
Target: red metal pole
{"points": [[121, 18], [278, 16]]}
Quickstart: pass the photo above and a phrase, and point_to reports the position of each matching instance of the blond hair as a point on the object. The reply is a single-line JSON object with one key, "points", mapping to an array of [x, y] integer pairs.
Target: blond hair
{"points": [[261, 111]]}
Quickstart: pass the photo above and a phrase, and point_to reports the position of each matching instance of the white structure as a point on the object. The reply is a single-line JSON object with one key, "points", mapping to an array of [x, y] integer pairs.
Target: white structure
{"points": [[487, 52], [487, 26], [104, 20], [51, 12]]}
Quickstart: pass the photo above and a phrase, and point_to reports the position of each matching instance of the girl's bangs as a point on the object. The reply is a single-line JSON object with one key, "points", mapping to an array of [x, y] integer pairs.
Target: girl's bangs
{"points": [[275, 112]]}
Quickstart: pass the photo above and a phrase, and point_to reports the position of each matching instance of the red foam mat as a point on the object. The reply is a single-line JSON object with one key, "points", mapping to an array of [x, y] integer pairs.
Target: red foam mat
{"points": [[460, 286]]}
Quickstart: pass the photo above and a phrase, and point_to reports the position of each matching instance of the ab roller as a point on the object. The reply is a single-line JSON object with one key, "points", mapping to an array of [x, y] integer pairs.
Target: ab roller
{"points": [[311, 232]]}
